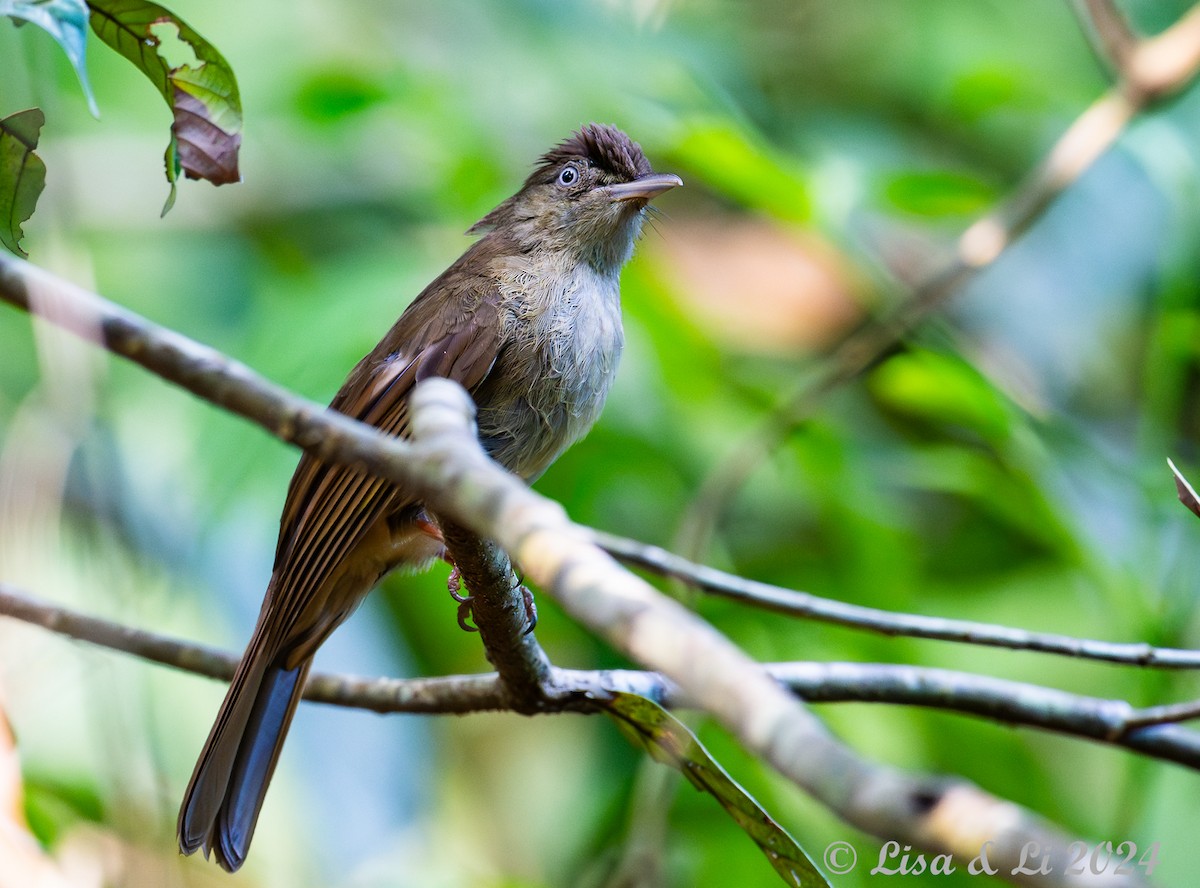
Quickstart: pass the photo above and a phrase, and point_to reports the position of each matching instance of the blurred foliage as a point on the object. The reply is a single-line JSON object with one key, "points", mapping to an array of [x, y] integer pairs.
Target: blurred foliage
{"points": [[1007, 464], [64, 20]]}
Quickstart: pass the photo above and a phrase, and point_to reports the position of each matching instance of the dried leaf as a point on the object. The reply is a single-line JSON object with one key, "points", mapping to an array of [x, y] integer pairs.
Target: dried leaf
{"points": [[1187, 494], [669, 741], [22, 174], [192, 76], [64, 20]]}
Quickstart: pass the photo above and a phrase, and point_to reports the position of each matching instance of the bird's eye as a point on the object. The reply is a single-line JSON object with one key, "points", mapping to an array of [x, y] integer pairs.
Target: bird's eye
{"points": [[568, 176]]}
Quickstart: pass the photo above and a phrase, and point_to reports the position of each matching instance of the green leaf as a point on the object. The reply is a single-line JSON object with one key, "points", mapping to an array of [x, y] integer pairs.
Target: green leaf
{"points": [[942, 389], [670, 742], [64, 20], [192, 76], [983, 90], [56, 803], [939, 193], [331, 94], [22, 174]]}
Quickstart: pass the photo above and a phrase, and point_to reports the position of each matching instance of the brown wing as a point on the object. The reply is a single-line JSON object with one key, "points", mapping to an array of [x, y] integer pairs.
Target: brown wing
{"points": [[451, 330]]}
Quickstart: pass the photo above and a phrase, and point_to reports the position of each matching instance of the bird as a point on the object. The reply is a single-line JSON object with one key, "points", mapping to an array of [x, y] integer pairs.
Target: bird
{"points": [[528, 321]]}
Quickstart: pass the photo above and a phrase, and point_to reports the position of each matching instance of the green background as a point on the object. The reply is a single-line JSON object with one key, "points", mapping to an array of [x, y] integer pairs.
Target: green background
{"points": [[1008, 465]]}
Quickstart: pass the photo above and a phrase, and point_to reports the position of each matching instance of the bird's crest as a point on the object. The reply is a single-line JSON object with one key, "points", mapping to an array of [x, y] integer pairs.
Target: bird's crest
{"points": [[599, 145]]}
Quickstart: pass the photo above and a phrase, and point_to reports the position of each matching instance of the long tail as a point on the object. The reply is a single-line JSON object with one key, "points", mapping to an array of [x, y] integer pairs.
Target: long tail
{"points": [[221, 805]]}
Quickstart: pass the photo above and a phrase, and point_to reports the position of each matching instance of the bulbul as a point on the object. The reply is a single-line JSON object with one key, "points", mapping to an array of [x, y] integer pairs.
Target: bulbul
{"points": [[528, 320]]}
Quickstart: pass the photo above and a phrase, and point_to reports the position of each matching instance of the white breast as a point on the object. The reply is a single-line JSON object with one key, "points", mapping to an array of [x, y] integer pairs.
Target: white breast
{"points": [[563, 341]]}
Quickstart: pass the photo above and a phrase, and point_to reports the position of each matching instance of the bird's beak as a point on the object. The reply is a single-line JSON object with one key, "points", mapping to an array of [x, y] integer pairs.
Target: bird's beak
{"points": [[644, 187]]}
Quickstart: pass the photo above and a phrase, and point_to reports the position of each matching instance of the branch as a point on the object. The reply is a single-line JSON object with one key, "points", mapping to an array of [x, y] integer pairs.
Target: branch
{"points": [[870, 619], [447, 468], [1148, 68], [1163, 65], [1153, 70], [1113, 722], [1112, 38]]}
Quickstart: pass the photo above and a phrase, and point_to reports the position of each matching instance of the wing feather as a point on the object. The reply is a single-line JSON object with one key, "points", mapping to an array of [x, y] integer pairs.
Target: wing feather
{"points": [[330, 508]]}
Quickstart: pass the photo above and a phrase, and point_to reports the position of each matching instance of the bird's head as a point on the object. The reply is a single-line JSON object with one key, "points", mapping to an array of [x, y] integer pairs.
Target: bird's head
{"points": [[587, 195]]}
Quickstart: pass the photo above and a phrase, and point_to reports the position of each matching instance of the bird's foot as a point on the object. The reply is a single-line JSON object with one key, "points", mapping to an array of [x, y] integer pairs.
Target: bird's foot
{"points": [[465, 603]]}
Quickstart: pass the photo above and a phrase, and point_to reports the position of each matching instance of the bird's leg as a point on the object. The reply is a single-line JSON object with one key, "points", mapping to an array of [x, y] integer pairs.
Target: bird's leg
{"points": [[454, 582]]}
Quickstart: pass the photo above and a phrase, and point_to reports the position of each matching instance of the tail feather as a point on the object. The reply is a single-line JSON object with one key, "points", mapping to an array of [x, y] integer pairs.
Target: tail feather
{"points": [[222, 802]]}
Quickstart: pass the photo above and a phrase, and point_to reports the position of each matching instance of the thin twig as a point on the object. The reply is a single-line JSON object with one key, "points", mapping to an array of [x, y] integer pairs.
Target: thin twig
{"points": [[827, 610], [1111, 36], [1168, 713]]}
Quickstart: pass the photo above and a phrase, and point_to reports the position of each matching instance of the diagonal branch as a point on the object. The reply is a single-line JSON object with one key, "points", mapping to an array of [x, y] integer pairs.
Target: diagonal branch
{"points": [[1147, 68]]}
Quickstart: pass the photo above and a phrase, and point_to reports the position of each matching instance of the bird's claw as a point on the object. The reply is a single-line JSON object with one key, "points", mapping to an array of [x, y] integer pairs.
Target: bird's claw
{"points": [[454, 585], [464, 613], [531, 616]]}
